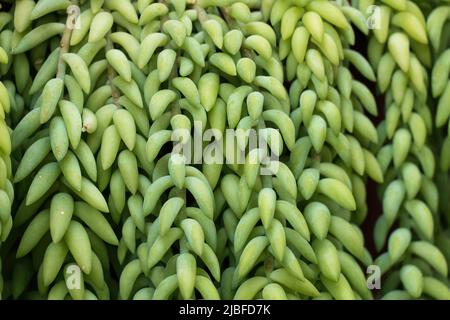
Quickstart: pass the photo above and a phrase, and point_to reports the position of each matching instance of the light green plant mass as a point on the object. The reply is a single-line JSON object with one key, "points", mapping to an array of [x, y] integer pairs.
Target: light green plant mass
{"points": [[223, 149]]}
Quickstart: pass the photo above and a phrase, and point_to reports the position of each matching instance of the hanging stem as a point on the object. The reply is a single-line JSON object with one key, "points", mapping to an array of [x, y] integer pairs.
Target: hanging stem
{"points": [[65, 40], [175, 107], [111, 72]]}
